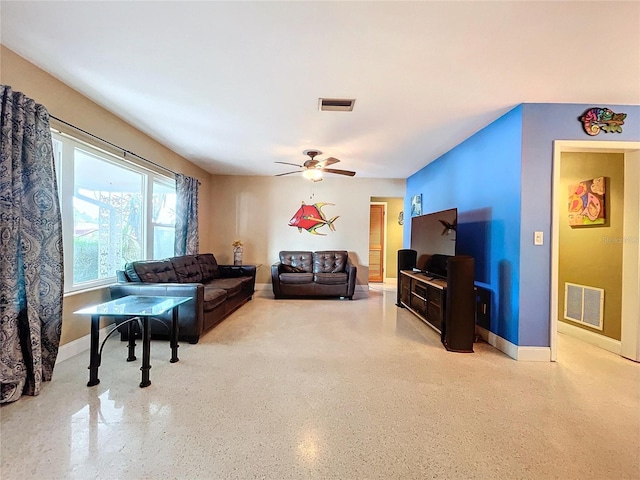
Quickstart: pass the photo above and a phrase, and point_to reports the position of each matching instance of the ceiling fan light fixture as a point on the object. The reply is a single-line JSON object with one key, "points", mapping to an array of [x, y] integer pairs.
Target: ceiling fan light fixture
{"points": [[312, 174]]}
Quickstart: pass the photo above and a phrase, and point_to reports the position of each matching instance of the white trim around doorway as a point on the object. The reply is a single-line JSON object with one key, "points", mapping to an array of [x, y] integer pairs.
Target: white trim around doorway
{"points": [[629, 345]]}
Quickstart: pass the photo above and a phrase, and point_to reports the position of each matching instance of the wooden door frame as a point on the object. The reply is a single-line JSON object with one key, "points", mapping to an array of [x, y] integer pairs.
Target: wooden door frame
{"points": [[384, 250]]}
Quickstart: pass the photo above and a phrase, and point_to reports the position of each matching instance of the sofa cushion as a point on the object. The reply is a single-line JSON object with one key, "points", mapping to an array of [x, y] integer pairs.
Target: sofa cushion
{"points": [[155, 271], [187, 269], [208, 266], [296, 278], [330, 278], [296, 258], [213, 297], [232, 286], [329, 261]]}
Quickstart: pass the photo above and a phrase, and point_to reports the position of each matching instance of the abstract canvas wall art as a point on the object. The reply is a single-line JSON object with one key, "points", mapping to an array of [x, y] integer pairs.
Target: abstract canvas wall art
{"points": [[587, 202]]}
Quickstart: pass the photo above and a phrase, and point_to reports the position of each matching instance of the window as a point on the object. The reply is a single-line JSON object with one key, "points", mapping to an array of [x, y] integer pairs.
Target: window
{"points": [[163, 219], [113, 212]]}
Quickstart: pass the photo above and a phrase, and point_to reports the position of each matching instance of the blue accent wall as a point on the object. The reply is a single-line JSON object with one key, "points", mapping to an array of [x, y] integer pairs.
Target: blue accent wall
{"points": [[500, 179], [481, 178]]}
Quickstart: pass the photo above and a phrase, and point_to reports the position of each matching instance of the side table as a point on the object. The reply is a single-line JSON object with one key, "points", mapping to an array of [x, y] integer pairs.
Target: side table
{"points": [[137, 308]]}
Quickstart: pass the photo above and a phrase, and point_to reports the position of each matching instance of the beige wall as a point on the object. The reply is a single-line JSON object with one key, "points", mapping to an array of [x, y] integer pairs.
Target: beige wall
{"points": [[70, 106], [257, 210], [590, 255], [394, 233]]}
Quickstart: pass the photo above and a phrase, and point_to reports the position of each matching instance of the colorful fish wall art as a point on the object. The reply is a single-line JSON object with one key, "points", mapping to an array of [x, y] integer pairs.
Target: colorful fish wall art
{"points": [[586, 202], [598, 118], [311, 218]]}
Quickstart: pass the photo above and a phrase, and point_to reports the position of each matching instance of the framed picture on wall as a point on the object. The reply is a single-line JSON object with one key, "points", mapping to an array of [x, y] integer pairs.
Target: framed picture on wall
{"points": [[416, 205], [587, 203]]}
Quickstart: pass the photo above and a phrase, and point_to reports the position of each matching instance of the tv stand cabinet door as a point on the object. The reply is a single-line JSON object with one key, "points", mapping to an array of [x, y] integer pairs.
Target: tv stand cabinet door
{"points": [[405, 289], [436, 301]]}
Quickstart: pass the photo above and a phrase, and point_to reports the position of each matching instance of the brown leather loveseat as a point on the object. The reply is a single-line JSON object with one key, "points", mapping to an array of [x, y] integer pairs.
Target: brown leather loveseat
{"points": [[216, 290], [313, 274]]}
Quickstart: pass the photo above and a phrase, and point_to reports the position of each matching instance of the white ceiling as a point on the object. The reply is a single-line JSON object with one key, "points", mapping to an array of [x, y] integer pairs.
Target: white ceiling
{"points": [[234, 86]]}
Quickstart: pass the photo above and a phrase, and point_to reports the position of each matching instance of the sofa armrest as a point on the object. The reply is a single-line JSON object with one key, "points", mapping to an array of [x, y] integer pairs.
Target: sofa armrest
{"points": [[235, 271], [232, 271], [275, 278], [352, 273]]}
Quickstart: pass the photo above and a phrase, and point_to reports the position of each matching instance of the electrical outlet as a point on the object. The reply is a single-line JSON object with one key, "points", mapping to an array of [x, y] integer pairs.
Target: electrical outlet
{"points": [[538, 238]]}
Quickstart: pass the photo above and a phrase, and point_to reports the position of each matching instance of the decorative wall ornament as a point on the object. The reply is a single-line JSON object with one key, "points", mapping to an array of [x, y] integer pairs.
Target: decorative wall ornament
{"points": [[599, 118], [586, 203], [401, 218], [310, 218]]}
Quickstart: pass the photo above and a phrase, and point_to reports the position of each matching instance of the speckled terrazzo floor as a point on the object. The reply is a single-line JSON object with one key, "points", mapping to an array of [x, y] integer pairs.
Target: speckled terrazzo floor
{"points": [[330, 389]]}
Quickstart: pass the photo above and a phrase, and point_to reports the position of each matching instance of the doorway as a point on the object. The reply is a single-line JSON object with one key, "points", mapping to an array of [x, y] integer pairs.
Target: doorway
{"points": [[629, 345], [384, 243], [377, 232]]}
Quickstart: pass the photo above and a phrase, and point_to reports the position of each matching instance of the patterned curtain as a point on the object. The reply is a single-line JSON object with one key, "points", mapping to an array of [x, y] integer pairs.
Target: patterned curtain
{"points": [[186, 215], [31, 275]]}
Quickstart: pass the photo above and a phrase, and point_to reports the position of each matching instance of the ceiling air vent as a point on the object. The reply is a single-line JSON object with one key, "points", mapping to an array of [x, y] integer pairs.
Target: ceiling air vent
{"points": [[336, 104]]}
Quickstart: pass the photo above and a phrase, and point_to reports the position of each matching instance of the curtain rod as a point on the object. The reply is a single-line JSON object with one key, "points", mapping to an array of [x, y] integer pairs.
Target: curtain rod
{"points": [[124, 150]]}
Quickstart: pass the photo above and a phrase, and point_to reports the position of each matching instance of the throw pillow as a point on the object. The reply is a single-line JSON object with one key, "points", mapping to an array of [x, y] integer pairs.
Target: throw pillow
{"points": [[291, 269]]}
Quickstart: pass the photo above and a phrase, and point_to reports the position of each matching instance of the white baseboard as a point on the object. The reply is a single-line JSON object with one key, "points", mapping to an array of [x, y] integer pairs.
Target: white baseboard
{"points": [[79, 345], [534, 354], [609, 344], [523, 354]]}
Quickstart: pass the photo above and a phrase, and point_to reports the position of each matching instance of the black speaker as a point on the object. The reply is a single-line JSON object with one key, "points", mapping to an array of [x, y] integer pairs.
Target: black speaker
{"points": [[407, 259], [459, 327]]}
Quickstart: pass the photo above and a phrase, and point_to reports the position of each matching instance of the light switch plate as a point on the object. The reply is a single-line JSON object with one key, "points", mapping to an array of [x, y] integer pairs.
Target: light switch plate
{"points": [[538, 238]]}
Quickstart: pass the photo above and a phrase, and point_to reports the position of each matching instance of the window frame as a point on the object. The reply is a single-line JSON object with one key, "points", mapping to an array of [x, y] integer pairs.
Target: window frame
{"points": [[64, 164]]}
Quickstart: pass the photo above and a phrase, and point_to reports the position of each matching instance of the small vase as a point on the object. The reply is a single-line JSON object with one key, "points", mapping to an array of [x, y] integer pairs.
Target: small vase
{"points": [[237, 255]]}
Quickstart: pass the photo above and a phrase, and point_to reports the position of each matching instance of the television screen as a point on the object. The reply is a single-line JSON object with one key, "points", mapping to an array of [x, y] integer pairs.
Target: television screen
{"points": [[434, 234]]}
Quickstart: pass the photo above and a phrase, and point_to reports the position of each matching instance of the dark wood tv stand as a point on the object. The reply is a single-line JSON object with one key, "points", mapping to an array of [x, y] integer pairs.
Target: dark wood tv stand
{"points": [[425, 297], [446, 305]]}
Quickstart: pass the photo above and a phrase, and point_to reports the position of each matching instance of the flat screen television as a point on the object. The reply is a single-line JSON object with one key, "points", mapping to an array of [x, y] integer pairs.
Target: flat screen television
{"points": [[433, 237]]}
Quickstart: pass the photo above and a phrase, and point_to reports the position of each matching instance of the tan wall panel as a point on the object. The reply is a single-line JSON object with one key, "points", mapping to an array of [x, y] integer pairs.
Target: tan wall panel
{"points": [[591, 255], [257, 210], [72, 107]]}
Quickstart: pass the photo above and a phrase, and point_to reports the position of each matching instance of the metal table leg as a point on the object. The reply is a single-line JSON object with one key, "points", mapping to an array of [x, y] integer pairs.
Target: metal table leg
{"points": [[146, 353], [94, 359], [174, 337], [132, 342]]}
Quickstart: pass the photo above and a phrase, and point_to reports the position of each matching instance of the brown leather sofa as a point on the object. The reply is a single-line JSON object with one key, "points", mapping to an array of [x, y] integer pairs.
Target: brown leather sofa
{"points": [[327, 273], [216, 290]]}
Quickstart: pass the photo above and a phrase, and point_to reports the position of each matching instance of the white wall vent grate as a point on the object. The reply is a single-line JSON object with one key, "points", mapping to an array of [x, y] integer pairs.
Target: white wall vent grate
{"points": [[583, 304]]}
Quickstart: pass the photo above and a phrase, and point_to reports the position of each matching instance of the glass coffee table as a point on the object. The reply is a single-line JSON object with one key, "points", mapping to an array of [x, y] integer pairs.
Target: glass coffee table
{"points": [[137, 308]]}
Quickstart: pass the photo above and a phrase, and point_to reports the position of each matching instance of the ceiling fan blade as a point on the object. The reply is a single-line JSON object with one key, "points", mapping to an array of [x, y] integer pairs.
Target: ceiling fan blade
{"points": [[328, 161], [339, 172], [287, 173], [287, 163]]}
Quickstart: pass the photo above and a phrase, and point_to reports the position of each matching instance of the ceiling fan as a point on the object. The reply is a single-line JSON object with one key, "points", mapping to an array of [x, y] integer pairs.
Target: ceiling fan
{"points": [[313, 169]]}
